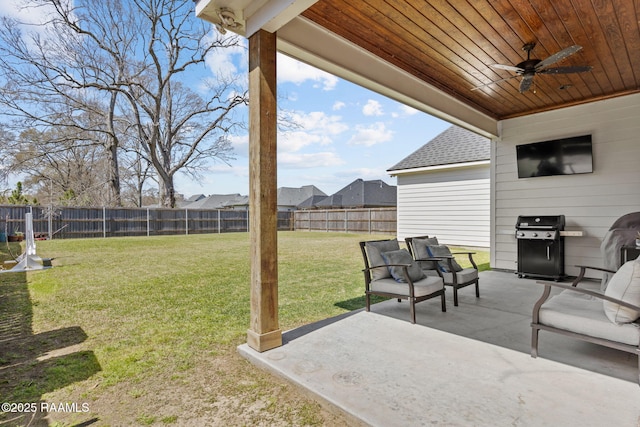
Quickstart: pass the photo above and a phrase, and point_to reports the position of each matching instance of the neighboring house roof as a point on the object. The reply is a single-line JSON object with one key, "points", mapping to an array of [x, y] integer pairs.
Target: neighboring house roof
{"points": [[453, 146], [288, 196], [196, 197], [311, 202], [360, 193], [217, 201]]}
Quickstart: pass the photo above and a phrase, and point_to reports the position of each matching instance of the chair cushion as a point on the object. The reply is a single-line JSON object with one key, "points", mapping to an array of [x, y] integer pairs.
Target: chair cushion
{"points": [[402, 256], [374, 251], [420, 251], [625, 286], [423, 287], [466, 275], [583, 314], [443, 251]]}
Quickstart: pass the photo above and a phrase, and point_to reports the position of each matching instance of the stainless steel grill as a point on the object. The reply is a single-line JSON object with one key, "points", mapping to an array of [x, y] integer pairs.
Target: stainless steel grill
{"points": [[540, 246]]}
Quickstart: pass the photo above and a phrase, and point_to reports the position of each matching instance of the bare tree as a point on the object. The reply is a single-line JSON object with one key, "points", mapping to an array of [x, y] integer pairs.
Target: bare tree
{"points": [[125, 64]]}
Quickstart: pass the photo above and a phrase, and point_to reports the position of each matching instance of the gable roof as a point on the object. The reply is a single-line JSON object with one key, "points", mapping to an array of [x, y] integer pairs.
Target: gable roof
{"points": [[453, 146], [218, 201], [288, 196], [360, 193]]}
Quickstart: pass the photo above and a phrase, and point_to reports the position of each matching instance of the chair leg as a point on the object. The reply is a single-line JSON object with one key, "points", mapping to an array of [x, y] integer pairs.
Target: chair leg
{"points": [[534, 343], [444, 303], [367, 302], [412, 308], [455, 296], [477, 289]]}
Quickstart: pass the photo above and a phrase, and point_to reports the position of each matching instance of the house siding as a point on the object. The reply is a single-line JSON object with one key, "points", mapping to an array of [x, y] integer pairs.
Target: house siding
{"points": [[590, 202], [451, 204]]}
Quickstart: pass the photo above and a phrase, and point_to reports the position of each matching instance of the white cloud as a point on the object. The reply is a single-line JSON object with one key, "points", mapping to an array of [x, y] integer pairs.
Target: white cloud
{"points": [[222, 62], [338, 105], [319, 122], [309, 160], [371, 135], [372, 108], [240, 144], [405, 111], [293, 71], [16, 9]]}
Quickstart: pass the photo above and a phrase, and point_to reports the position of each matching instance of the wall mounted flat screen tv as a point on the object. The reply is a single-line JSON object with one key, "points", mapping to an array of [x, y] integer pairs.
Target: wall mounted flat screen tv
{"points": [[566, 156]]}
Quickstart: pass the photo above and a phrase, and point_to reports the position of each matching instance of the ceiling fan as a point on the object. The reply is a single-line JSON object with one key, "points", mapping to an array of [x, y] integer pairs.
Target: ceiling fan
{"points": [[531, 66]]}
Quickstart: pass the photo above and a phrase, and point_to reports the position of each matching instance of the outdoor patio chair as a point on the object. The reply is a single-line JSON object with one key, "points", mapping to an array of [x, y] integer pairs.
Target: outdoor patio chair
{"points": [[610, 318], [391, 272], [438, 260]]}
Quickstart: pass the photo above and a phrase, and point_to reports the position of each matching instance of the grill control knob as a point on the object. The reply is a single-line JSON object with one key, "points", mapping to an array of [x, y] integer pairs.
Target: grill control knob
{"points": [[520, 234], [534, 234], [548, 234]]}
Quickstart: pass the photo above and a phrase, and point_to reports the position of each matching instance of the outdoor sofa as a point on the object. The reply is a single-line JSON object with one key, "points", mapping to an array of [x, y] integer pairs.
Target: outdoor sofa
{"points": [[609, 318]]}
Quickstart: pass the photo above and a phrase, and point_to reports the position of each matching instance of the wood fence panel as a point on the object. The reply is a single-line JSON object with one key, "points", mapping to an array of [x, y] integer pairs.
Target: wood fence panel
{"points": [[364, 220]]}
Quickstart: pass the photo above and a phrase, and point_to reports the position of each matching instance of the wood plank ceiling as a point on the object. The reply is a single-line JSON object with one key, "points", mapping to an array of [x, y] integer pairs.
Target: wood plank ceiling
{"points": [[452, 44]]}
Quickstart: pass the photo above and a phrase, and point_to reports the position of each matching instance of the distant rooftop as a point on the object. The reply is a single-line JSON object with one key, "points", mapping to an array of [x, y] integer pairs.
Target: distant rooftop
{"points": [[454, 145]]}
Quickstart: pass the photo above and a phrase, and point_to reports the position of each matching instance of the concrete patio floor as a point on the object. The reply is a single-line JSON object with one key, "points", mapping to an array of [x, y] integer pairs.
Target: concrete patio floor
{"points": [[470, 366]]}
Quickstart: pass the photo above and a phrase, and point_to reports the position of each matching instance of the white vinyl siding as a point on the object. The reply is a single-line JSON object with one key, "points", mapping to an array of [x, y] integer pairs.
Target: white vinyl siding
{"points": [[590, 202], [451, 204]]}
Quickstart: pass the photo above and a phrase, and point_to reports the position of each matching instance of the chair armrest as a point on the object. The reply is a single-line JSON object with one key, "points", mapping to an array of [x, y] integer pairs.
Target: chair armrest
{"points": [[583, 270], [547, 292], [470, 254]]}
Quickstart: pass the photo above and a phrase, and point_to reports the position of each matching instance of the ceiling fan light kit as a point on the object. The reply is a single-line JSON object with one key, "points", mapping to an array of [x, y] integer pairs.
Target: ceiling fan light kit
{"points": [[528, 68]]}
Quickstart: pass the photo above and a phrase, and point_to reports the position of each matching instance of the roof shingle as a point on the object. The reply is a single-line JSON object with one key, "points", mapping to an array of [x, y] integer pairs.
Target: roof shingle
{"points": [[454, 145]]}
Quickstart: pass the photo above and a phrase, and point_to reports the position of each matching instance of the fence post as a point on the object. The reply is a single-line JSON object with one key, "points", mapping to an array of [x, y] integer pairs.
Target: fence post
{"points": [[219, 225], [186, 221], [346, 221], [369, 220], [104, 222], [148, 224]]}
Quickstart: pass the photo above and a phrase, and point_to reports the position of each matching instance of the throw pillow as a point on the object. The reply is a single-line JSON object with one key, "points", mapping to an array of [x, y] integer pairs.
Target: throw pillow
{"points": [[443, 251], [420, 251], [625, 286], [402, 256], [374, 250]]}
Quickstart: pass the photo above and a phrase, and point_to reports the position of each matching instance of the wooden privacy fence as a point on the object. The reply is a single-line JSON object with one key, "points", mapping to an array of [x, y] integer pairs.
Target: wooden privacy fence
{"points": [[66, 222], [373, 220]]}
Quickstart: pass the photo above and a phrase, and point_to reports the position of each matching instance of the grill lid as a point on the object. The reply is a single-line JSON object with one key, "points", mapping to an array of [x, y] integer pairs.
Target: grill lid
{"points": [[550, 222]]}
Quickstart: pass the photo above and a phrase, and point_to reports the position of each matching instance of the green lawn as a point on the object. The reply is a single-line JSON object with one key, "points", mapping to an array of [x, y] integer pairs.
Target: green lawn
{"points": [[144, 330]]}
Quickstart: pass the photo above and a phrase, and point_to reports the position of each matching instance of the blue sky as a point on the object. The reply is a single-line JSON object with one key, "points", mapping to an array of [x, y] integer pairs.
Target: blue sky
{"points": [[347, 132]]}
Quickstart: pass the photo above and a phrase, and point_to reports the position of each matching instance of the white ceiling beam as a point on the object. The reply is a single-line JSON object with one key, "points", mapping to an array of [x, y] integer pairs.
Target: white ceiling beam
{"points": [[274, 14]]}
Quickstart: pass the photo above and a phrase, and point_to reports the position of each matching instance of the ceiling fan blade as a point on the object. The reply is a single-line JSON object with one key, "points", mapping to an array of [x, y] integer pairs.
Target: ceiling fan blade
{"points": [[566, 70], [492, 83], [558, 56], [525, 84], [508, 68]]}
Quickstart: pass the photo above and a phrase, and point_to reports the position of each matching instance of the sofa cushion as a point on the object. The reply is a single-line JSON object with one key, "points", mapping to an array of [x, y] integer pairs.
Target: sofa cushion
{"points": [[420, 251], [443, 251], [402, 256], [374, 254], [625, 286], [583, 314]]}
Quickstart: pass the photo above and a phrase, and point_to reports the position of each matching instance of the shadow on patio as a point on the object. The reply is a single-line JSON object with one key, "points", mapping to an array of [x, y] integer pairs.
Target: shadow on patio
{"points": [[468, 366]]}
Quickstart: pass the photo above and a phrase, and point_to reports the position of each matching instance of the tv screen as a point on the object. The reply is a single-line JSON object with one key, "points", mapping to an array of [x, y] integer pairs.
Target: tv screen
{"points": [[566, 156]]}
